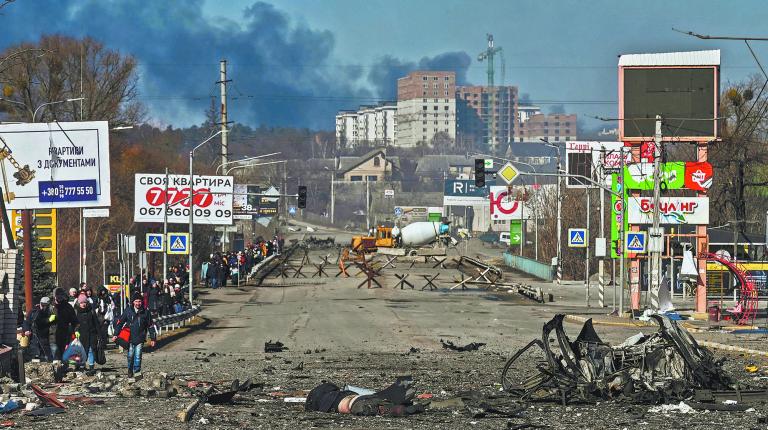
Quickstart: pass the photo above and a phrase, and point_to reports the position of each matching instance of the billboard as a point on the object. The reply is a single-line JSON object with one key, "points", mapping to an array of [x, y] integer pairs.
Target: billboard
{"points": [[639, 176], [672, 210], [212, 199], [589, 158], [506, 207], [676, 175], [682, 87], [462, 192], [66, 164]]}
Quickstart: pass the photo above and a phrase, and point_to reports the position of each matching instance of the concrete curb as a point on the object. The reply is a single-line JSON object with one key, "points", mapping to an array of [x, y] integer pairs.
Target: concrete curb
{"points": [[731, 348]]}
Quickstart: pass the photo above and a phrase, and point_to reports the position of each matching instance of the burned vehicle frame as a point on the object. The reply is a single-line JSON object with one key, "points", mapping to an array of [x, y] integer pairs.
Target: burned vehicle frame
{"points": [[665, 366]]}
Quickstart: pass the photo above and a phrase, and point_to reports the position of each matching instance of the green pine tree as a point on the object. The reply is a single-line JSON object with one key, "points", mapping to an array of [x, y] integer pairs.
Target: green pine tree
{"points": [[43, 280]]}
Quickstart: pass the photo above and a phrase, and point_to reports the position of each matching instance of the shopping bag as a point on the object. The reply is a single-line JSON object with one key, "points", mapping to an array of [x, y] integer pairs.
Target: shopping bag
{"points": [[124, 338]]}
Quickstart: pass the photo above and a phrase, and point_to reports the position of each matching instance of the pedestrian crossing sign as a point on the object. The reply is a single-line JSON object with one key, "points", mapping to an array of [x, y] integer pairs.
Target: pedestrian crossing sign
{"points": [[155, 242], [178, 243], [577, 237], [636, 241]]}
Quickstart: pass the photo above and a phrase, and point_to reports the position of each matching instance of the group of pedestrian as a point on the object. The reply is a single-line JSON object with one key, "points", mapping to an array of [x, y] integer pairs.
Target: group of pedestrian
{"points": [[231, 266], [81, 327], [163, 296]]}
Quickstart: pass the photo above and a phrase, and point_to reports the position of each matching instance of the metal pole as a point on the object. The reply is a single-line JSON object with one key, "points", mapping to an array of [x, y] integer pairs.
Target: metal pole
{"points": [[656, 254], [522, 224], [367, 204], [85, 247], [536, 228], [191, 224], [333, 196], [587, 238], [620, 244], [559, 221], [26, 225], [223, 86], [601, 262], [165, 227], [103, 268], [671, 268], [80, 247]]}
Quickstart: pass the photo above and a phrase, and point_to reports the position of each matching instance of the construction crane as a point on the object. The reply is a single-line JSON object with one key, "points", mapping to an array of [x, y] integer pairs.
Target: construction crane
{"points": [[488, 56]]}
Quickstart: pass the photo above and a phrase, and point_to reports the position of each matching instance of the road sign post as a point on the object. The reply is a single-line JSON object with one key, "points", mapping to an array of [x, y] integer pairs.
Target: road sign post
{"points": [[178, 243], [508, 173], [577, 238], [155, 242]]}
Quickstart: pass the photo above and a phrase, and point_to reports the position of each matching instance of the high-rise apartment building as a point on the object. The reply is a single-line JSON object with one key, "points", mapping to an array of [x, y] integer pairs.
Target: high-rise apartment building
{"points": [[552, 127], [426, 108], [374, 125], [486, 115]]}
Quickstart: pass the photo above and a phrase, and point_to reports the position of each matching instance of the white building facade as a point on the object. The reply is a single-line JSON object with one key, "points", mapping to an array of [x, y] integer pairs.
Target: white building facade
{"points": [[372, 124]]}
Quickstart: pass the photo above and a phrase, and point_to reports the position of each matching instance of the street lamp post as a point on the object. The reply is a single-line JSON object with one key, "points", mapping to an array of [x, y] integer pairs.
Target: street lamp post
{"points": [[192, 211], [559, 266], [34, 114]]}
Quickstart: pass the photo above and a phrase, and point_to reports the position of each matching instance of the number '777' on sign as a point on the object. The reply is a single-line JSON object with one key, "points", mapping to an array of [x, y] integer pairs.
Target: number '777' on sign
{"points": [[212, 199]]}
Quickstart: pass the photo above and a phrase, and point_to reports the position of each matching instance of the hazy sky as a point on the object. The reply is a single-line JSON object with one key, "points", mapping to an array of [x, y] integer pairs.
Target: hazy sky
{"points": [[297, 62]]}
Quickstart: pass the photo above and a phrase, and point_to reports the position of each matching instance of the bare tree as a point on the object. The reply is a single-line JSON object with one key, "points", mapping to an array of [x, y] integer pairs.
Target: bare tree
{"points": [[740, 179], [70, 69]]}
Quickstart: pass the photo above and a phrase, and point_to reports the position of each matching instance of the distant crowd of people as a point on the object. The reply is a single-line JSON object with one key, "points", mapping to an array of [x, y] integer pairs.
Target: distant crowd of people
{"points": [[224, 267]]}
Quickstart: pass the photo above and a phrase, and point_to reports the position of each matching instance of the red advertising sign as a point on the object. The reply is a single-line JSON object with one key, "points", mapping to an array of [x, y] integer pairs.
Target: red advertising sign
{"points": [[505, 206], [647, 151], [698, 176]]}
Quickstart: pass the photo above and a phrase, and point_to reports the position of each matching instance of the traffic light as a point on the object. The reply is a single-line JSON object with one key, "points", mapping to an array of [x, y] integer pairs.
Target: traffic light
{"points": [[302, 197], [479, 172]]}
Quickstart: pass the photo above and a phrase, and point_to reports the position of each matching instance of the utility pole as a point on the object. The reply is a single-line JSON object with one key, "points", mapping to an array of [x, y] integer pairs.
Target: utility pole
{"points": [[601, 261], [333, 196], [655, 235], [620, 245], [224, 131], [367, 204], [165, 226], [559, 222], [588, 240], [223, 86]]}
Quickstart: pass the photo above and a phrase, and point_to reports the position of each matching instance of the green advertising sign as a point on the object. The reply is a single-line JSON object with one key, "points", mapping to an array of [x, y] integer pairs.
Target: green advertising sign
{"points": [[639, 176], [515, 232], [616, 219]]}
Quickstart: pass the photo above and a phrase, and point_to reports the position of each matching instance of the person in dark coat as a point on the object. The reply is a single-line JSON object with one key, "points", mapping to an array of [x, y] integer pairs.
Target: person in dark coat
{"points": [[65, 319], [87, 329], [139, 321], [37, 327], [153, 301]]}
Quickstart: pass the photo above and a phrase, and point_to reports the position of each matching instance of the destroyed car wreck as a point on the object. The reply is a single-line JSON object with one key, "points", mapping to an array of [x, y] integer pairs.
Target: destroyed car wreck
{"points": [[662, 367]]}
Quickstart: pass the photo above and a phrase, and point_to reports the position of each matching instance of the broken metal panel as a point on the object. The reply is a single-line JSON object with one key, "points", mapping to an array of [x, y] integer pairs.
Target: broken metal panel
{"points": [[666, 365]]}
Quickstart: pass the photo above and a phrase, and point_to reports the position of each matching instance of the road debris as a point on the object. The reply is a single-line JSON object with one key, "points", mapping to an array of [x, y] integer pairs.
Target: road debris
{"points": [[395, 400], [659, 368], [271, 347], [474, 346]]}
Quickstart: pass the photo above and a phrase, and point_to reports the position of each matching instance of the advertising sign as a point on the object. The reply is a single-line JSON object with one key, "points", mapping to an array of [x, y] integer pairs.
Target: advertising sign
{"points": [[507, 207], [639, 176], [246, 202], [698, 176], [673, 210], [409, 214], [589, 158], [462, 192], [66, 164], [515, 232], [210, 207]]}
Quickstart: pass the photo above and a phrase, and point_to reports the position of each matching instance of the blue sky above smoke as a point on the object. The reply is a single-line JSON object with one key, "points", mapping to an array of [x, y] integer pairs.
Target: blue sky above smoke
{"points": [[284, 73], [296, 62]]}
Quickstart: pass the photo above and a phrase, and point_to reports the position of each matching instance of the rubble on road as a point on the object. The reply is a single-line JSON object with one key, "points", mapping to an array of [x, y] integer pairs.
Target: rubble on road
{"points": [[274, 346], [473, 346], [659, 368]]}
